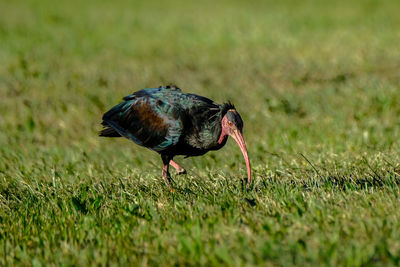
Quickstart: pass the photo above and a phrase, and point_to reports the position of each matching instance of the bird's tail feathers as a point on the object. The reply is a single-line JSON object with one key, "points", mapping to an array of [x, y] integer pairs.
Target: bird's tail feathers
{"points": [[108, 131]]}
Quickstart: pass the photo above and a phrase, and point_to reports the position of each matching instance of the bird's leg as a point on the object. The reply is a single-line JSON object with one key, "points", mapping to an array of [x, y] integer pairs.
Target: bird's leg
{"points": [[165, 170], [179, 169]]}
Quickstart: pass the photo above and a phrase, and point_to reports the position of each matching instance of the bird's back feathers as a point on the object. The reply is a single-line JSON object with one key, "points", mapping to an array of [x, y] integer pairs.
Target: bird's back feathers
{"points": [[163, 118]]}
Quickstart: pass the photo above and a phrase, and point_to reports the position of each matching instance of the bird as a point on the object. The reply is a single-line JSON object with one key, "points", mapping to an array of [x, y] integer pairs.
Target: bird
{"points": [[171, 122]]}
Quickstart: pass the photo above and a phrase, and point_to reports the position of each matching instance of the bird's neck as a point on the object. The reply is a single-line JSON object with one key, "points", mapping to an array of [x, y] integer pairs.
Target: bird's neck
{"points": [[223, 136], [208, 134], [219, 135]]}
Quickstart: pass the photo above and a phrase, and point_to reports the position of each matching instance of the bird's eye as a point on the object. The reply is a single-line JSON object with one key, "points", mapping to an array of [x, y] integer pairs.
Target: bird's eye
{"points": [[230, 123]]}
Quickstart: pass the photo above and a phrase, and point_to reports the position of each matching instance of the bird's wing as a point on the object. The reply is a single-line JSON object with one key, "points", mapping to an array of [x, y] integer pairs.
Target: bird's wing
{"points": [[146, 119]]}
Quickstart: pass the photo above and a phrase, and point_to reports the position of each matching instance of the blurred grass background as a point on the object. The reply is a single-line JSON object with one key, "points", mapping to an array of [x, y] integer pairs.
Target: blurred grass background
{"points": [[316, 82]]}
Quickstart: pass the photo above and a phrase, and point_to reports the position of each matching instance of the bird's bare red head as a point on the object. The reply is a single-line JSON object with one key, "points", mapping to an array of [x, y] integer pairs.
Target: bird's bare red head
{"points": [[232, 125]]}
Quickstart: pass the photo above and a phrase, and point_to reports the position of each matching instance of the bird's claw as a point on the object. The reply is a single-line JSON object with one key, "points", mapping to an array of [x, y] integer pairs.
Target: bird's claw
{"points": [[180, 171]]}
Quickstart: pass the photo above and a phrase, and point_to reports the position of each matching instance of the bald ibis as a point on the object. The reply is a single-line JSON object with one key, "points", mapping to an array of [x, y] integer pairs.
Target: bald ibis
{"points": [[171, 122]]}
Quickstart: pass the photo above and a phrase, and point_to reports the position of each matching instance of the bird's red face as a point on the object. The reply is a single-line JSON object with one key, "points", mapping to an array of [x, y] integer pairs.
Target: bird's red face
{"points": [[232, 125]]}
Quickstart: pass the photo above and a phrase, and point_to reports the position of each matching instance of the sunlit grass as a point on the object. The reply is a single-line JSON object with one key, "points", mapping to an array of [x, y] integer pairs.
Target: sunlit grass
{"points": [[316, 83]]}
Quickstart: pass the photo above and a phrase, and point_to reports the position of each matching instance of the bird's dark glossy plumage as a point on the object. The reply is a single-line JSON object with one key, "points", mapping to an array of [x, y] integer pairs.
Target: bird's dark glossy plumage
{"points": [[171, 122]]}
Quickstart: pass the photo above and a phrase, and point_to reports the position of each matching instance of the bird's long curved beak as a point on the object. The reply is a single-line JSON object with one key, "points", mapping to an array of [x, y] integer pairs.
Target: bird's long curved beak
{"points": [[238, 136]]}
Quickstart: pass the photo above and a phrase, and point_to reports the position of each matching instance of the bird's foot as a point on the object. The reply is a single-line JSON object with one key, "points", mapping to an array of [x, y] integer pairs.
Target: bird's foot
{"points": [[179, 169], [166, 176], [165, 172]]}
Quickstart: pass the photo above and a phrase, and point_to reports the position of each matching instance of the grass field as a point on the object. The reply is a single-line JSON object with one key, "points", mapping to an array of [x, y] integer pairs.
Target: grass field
{"points": [[316, 82]]}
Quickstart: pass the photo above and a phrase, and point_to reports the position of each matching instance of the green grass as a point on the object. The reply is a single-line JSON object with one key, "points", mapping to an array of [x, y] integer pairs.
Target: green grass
{"points": [[316, 82]]}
